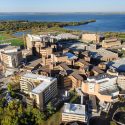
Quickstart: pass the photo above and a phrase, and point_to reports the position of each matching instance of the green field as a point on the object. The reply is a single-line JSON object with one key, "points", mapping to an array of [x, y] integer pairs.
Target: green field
{"points": [[16, 42], [6, 38], [2, 37]]}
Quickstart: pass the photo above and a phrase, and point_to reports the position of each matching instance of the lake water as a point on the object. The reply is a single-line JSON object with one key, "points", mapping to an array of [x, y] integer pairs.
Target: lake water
{"points": [[104, 22], [21, 33]]}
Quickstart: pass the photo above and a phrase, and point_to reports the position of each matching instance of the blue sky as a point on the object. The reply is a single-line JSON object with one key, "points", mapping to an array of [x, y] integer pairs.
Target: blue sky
{"points": [[62, 5]]}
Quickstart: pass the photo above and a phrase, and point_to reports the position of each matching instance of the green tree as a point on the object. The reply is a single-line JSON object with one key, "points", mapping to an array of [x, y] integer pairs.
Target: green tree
{"points": [[50, 108], [112, 123], [9, 87]]}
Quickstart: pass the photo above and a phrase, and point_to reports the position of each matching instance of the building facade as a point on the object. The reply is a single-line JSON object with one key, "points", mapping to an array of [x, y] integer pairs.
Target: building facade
{"points": [[74, 112], [40, 88], [11, 57], [108, 43], [121, 81], [104, 86], [89, 37]]}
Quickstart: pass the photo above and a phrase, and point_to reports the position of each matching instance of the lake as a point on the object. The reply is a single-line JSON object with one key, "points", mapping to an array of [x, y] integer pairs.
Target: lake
{"points": [[104, 21]]}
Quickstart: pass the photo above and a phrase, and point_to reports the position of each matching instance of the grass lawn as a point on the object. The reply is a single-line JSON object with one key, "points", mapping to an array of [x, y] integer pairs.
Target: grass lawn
{"points": [[13, 40], [55, 119], [16, 42], [2, 37]]}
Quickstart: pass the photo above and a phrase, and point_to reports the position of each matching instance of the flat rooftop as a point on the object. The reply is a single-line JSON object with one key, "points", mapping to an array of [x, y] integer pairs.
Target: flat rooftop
{"points": [[45, 81], [98, 53], [34, 62], [119, 64], [74, 109], [110, 91], [100, 76]]}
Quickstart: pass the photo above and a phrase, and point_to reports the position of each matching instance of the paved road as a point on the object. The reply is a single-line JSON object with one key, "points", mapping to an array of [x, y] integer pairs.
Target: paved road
{"points": [[102, 120]]}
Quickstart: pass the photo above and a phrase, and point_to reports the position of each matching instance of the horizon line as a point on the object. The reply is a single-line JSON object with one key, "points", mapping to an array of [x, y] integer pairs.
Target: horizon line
{"points": [[69, 12]]}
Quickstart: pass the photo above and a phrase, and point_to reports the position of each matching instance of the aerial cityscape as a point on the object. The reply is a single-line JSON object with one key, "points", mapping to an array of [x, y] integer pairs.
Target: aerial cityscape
{"points": [[62, 62]]}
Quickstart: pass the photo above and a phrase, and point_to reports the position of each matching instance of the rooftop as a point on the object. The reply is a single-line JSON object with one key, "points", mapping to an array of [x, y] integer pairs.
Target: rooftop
{"points": [[110, 91], [111, 40], [45, 81], [71, 56], [117, 64], [100, 76], [9, 49], [83, 62], [96, 68], [66, 36], [34, 63], [74, 109], [76, 74], [98, 53], [65, 66]]}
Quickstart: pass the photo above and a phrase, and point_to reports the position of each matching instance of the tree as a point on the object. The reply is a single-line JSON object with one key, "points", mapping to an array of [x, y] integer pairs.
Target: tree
{"points": [[39, 116], [50, 108], [112, 123], [9, 87]]}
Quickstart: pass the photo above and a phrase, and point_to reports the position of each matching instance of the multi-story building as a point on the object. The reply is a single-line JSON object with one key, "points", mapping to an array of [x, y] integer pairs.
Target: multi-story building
{"points": [[121, 81], [40, 88], [74, 112], [66, 36], [33, 65], [64, 73], [104, 86], [96, 70], [68, 58], [45, 52], [38, 40], [76, 80], [118, 65], [47, 61], [11, 57], [91, 37], [108, 43], [103, 55]]}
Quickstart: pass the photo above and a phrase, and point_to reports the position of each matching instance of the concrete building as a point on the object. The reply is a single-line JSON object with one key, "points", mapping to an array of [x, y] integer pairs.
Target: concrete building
{"points": [[92, 105], [38, 40], [83, 65], [112, 72], [74, 112], [66, 36], [68, 58], [76, 79], [8, 48], [40, 88], [91, 37], [108, 43], [121, 81], [45, 52], [33, 65], [96, 70], [118, 65], [11, 57], [47, 61], [103, 55], [104, 86], [65, 81]]}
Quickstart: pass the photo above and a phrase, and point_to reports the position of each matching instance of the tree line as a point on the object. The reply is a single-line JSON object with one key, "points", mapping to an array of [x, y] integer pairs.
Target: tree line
{"points": [[24, 25]]}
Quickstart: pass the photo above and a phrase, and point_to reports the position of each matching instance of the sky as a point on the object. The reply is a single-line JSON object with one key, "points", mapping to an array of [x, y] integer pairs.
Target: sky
{"points": [[62, 5]]}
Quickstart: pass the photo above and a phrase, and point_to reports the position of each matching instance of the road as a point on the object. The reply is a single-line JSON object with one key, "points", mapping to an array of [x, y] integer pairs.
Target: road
{"points": [[102, 120]]}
